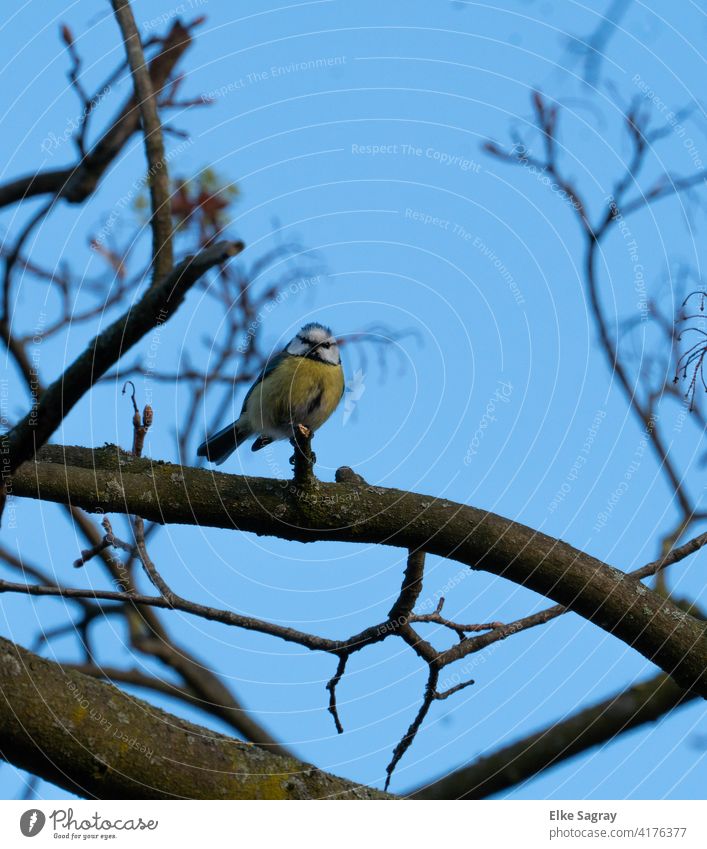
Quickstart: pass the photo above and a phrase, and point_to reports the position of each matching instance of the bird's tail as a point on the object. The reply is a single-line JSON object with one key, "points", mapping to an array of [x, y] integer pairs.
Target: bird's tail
{"points": [[221, 445]]}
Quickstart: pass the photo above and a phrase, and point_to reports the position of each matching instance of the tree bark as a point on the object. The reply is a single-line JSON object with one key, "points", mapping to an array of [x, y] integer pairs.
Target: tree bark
{"points": [[109, 480], [96, 741]]}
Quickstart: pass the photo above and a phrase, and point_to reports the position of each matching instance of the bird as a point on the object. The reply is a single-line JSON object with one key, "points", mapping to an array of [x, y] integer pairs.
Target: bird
{"points": [[298, 389]]}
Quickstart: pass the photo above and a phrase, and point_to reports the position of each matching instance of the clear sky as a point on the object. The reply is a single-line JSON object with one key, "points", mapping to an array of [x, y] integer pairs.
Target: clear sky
{"points": [[356, 128]]}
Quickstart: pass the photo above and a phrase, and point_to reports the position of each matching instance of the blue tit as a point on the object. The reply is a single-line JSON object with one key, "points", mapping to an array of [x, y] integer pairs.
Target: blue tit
{"points": [[298, 388]]}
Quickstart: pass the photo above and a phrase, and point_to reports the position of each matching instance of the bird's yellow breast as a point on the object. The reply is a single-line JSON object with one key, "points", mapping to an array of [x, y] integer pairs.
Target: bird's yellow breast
{"points": [[299, 390]]}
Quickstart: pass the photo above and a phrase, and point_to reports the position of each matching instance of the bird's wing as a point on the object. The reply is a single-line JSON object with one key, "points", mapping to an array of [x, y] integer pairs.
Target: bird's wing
{"points": [[269, 368]]}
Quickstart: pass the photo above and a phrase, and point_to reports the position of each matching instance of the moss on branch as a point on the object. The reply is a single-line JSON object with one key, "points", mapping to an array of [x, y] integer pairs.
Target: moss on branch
{"points": [[96, 741]]}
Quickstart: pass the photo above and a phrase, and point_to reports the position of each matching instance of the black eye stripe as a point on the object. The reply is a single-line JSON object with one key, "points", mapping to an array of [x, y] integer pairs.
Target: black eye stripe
{"points": [[313, 343]]}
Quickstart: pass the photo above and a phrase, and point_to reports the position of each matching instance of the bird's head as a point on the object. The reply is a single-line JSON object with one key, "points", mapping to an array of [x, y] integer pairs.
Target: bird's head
{"points": [[315, 342]]}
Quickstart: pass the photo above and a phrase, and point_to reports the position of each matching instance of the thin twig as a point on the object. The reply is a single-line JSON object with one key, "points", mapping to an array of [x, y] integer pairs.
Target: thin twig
{"points": [[110, 540], [331, 687], [671, 557], [436, 618], [411, 733], [149, 566], [12, 257]]}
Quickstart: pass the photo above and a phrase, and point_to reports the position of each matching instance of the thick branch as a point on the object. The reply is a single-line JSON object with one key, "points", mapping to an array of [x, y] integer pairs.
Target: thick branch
{"points": [[111, 481], [227, 708], [471, 645], [598, 724], [97, 741]]}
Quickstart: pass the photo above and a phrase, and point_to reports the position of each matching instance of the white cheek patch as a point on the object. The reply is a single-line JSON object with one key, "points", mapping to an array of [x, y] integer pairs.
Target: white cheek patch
{"points": [[329, 355], [297, 348]]}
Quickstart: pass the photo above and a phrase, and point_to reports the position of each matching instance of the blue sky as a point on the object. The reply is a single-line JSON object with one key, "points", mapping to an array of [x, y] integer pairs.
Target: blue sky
{"points": [[357, 130]]}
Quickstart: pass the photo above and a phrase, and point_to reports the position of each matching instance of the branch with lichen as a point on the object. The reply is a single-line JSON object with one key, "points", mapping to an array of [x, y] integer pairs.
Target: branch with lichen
{"points": [[99, 742]]}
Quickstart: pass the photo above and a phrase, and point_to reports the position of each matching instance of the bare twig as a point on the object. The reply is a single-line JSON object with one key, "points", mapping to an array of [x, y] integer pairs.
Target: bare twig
{"points": [[461, 630], [74, 74], [694, 357], [592, 47], [109, 541], [177, 603], [12, 256], [140, 424], [331, 687], [673, 556], [150, 568]]}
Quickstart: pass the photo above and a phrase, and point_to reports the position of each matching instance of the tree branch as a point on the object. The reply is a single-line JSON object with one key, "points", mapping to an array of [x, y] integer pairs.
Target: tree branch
{"points": [[96, 741], [162, 257], [112, 481]]}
